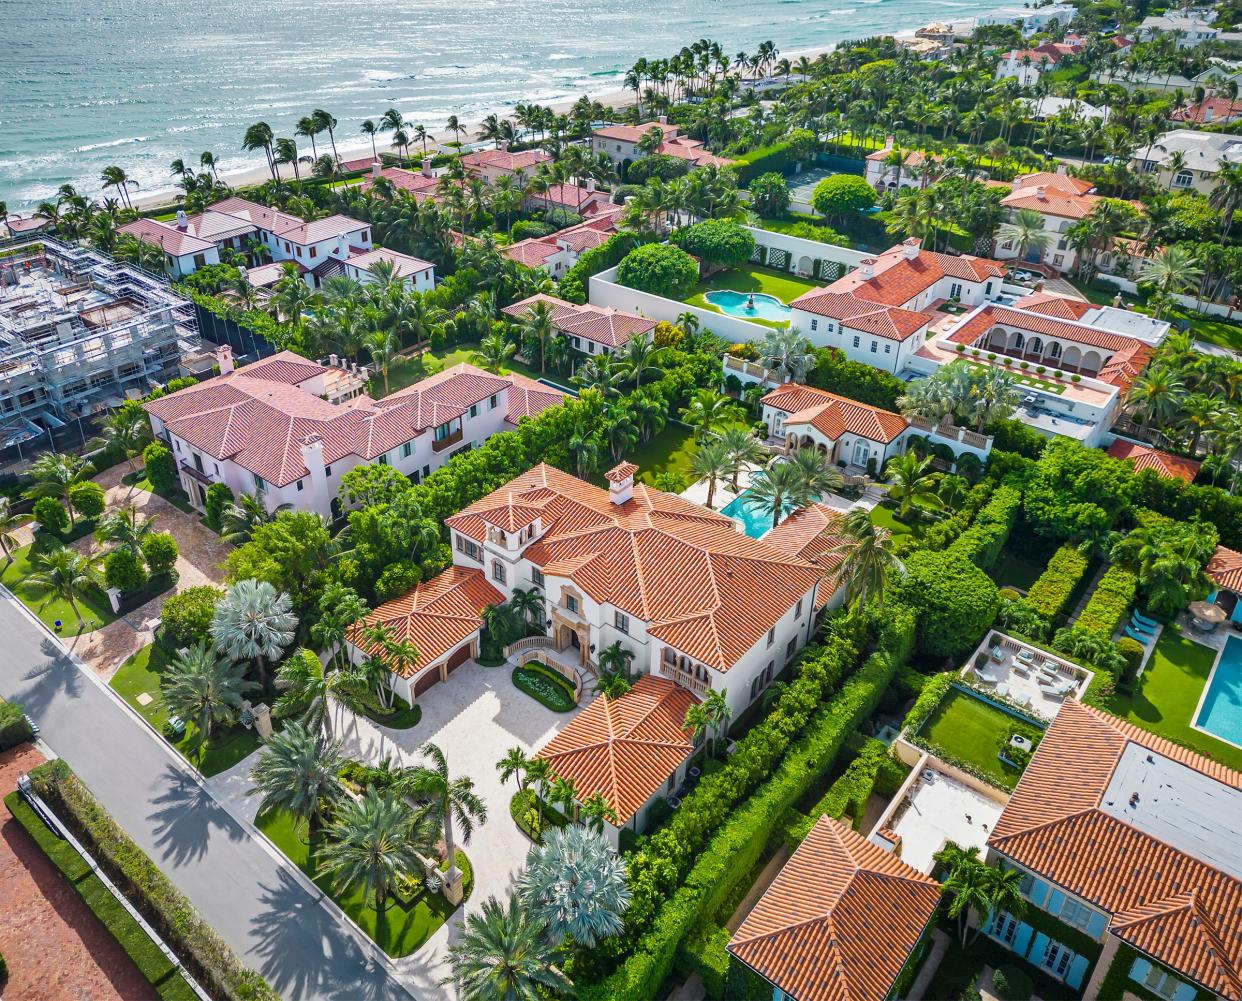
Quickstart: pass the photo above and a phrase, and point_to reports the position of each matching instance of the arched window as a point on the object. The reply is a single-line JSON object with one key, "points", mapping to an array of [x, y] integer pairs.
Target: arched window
{"points": [[1018, 340], [1054, 349], [1037, 346]]}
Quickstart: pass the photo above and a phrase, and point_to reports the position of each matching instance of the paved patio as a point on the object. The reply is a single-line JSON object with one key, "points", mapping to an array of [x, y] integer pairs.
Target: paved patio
{"points": [[1023, 680], [941, 810], [474, 717]]}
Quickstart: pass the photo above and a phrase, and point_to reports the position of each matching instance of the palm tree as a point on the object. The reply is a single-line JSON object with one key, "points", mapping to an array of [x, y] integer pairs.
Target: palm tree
{"points": [[1025, 231], [711, 715], [125, 529], [819, 475], [596, 811], [1156, 395], [575, 884], [253, 622], [127, 431], [326, 122], [528, 604], [115, 177], [743, 449], [259, 136], [66, 574], [787, 353], [10, 522], [297, 772], [493, 352], [978, 886], [514, 765], [1227, 193], [711, 462], [369, 128], [640, 357], [912, 482], [447, 799], [707, 411], [868, 563], [202, 686], [239, 519], [374, 843], [539, 774], [502, 956], [1172, 270], [563, 793], [778, 490], [396, 656], [309, 689], [55, 474], [383, 348]]}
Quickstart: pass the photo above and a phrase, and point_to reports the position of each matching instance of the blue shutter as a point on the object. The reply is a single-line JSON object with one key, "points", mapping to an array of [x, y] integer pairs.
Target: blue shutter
{"points": [[1139, 970], [1022, 938], [1056, 900], [1095, 927], [1036, 953], [1184, 992], [1073, 976], [987, 925], [1039, 890]]}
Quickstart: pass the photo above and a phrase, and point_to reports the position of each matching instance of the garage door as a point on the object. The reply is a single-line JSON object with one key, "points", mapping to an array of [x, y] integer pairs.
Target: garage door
{"points": [[426, 680], [459, 658]]}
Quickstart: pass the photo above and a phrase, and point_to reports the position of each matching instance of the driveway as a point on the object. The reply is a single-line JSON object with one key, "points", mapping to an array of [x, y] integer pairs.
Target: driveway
{"points": [[474, 717]]}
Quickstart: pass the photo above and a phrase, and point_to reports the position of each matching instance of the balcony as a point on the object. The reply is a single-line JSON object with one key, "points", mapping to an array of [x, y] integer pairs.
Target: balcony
{"points": [[686, 679], [440, 444], [195, 473]]}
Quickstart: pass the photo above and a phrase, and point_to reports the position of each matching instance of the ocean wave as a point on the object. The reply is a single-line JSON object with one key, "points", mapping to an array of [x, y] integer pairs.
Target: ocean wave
{"points": [[557, 56], [114, 142]]}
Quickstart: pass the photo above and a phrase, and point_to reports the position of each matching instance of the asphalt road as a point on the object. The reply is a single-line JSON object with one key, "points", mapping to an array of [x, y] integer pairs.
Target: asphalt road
{"points": [[256, 902]]}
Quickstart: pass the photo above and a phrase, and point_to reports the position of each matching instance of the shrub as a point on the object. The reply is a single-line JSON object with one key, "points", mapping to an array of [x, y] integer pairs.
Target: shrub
{"points": [[841, 195], [526, 229], [849, 793], [573, 284], [722, 243], [1050, 594], [983, 541], [954, 601], [186, 617], [1019, 617], [14, 729], [219, 496], [124, 571], [160, 466], [1133, 651], [666, 335], [51, 516], [544, 685], [209, 960], [769, 195], [660, 269], [87, 499], [659, 165], [933, 691], [838, 374], [398, 579], [765, 160], [159, 549], [1012, 983], [1110, 601]]}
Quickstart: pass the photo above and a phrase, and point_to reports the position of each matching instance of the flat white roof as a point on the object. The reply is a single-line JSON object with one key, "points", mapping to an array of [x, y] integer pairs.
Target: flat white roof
{"points": [[1128, 323], [941, 810], [1178, 805]]}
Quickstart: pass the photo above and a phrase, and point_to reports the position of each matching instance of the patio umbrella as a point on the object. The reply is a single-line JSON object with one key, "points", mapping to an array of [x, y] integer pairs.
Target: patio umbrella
{"points": [[1205, 611]]}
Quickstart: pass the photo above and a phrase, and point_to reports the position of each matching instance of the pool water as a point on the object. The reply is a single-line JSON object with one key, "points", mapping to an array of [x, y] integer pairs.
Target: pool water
{"points": [[1220, 712], [756, 521], [765, 307]]}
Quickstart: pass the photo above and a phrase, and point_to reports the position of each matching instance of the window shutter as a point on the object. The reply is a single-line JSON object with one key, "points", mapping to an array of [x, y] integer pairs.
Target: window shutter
{"points": [[1022, 938], [1095, 927], [1073, 976], [1139, 969], [1039, 890], [1056, 900]]}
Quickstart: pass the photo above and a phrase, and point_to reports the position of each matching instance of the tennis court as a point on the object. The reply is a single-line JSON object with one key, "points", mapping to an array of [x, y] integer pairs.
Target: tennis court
{"points": [[802, 185]]}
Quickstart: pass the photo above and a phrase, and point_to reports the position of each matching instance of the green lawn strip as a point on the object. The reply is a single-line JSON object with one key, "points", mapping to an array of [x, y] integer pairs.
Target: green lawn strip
{"points": [[1168, 697], [1020, 377], [138, 480], [672, 450], [93, 604], [753, 278], [403, 715], [885, 516], [1016, 570], [973, 731], [545, 685], [399, 931], [151, 962], [142, 673]]}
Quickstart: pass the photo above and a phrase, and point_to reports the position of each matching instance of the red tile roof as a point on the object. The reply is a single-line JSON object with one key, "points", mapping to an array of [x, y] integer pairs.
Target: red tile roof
{"points": [[437, 616], [1049, 201], [620, 472], [503, 159], [171, 240], [533, 252], [1053, 180], [1038, 323], [624, 748], [1210, 109], [1164, 901], [603, 325], [839, 921], [570, 196], [1164, 463], [898, 279], [17, 225], [703, 587], [834, 415], [1225, 569], [810, 534], [891, 322], [323, 229], [632, 133], [404, 265], [1060, 306], [528, 398]]}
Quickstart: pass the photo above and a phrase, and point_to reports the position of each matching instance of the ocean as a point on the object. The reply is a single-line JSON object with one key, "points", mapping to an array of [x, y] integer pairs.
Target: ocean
{"points": [[138, 83]]}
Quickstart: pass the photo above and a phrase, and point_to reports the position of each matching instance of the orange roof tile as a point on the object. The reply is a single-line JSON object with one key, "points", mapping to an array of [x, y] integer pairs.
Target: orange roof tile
{"points": [[897, 279], [624, 748], [1164, 463], [607, 326], [1225, 569], [528, 397], [810, 534], [834, 415], [1052, 179], [860, 314], [839, 921]]}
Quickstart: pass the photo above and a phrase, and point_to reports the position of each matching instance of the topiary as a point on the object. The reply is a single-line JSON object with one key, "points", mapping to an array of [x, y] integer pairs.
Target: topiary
{"points": [[660, 269], [51, 516], [160, 466], [219, 496], [954, 600], [1009, 594], [160, 551], [87, 499], [124, 571]]}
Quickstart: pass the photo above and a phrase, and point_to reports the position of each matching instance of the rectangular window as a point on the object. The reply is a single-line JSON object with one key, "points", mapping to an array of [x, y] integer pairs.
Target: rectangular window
{"points": [[426, 471], [314, 251], [536, 577], [1005, 928], [888, 349], [200, 260], [491, 403], [791, 647], [814, 324], [474, 410], [621, 621], [406, 449], [798, 609], [874, 347], [771, 636], [955, 289], [856, 340], [571, 603], [1076, 914], [498, 571], [470, 548], [260, 484], [327, 470], [301, 486]]}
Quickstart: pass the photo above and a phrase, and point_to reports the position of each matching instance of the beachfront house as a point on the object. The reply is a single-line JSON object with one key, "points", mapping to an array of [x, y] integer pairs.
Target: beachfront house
{"points": [[620, 143], [1032, 19]]}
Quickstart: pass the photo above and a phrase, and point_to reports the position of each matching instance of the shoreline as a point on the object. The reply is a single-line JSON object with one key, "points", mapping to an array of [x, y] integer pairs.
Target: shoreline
{"points": [[353, 149]]}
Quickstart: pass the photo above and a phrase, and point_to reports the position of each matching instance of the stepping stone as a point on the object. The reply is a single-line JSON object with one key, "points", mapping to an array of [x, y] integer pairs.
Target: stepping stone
{"points": [[144, 699]]}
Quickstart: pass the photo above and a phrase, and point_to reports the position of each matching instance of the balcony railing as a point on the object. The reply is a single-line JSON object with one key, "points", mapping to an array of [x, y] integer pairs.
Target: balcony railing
{"points": [[686, 679], [196, 474], [440, 444]]}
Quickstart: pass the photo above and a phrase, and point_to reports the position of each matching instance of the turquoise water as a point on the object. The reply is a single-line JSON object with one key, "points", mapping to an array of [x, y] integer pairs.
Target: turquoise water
{"points": [[749, 306], [755, 522], [1221, 711], [140, 82]]}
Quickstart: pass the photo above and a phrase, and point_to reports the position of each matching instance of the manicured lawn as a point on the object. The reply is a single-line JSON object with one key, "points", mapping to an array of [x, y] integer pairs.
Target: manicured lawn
{"points": [[1169, 693], [1016, 570], [969, 729], [886, 517], [403, 715], [398, 931], [1023, 379], [780, 284], [141, 674], [672, 450], [407, 371], [544, 685], [138, 480], [1217, 331], [94, 606]]}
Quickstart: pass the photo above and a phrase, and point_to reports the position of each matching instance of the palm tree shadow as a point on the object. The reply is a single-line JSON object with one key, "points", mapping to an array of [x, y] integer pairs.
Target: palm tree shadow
{"points": [[305, 950], [185, 818], [55, 676]]}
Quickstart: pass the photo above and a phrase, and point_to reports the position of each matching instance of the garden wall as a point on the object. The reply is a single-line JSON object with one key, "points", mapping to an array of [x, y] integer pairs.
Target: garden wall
{"points": [[605, 291], [798, 247]]}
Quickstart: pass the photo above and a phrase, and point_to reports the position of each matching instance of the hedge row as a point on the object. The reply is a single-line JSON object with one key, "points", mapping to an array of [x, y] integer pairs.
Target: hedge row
{"points": [[849, 793], [209, 960], [573, 285], [777, 157], [1109, 603], [943, 533], [14, 729], [935, 690], [983, 541], [741, 841], [1052, 591]]}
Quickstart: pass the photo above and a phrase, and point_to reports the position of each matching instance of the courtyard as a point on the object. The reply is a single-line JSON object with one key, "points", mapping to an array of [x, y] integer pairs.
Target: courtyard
{"points": [[967, 729], [754, 279], [936, 809]]}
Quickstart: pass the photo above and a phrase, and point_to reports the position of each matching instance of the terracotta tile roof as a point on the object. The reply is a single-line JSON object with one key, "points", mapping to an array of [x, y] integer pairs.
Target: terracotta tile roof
{"points": [[623, 471], [217, 226], [702, 586], [897, 279], [914, 157], [602, 325], [284, 366], [632, 133], [560, 308], [1210, 109], [410, 181], [1051, 202], [533, 252], [405, 265], [503, 159], [839, 921], [810, 534], [571, 196], [1225, 569], [266, 274], [16, 224], [890, 322], [625, 748], [1164, 463], [438, 615], [1037, 323], [1054, 180], [1167, 902], [528, 397], [1035, 55], [171, 240], [261, 216], [1060, 306], [834, 415], [1125, 365], [323, 229]]}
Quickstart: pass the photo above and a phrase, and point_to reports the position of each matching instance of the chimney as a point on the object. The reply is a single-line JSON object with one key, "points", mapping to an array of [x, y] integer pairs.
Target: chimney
{"points": [[621, 483], [224, 358], [663, 119], [377, 168], [910, 248], [504, 145], [1040, 192], [427, 172], [342, 251], [334, 360], [866, 267], [182, 221], [312, 459], [889, 142], [590, 184], [1061, 169]]}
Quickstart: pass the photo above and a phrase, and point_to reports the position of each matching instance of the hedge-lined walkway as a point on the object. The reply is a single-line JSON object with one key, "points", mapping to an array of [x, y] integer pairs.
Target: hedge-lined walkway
{"points": [[56, 948]]}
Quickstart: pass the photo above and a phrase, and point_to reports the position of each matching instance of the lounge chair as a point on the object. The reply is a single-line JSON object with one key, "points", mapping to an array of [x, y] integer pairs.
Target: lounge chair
{"points": [[1022, 699], [1136, 614], [1027, 657], [985, 675], [1142, 638], [1022, 670], [998, 655], [1059, 689], [1142, 627]]}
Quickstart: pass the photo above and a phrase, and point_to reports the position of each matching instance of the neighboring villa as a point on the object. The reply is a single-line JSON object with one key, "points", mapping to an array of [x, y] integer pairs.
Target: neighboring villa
{"points": [[856, 436], [1132, 842], [1026, 65], [1188, 31], [1209, 111], [1202, 154], [580, 199], [1224, 570], [1061, 200], [420, 185], [489, 164], [841, 922], [886, 177], [620, 144], [1163, 463], [288, 429], [1030, 20], [319, 249], [557, 252], [811, 534], [593, 330]]}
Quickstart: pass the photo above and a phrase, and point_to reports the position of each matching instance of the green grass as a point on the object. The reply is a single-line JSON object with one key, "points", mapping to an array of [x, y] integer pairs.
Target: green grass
{"points": [[399, 931], [885, 516], [407, 371], [974, 731], [752, 278], [146, 955], [545, 686], [1169, 693], [93, 604], [1016, 570], [403, 717], [670, 451], [1023, 378], [143, 672], [175, 497]]}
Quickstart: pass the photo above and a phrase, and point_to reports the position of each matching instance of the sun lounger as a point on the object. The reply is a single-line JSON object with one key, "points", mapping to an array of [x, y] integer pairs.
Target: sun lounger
{"points": [[985, 675], [1142, 627], [1027, 657], [998, 655], [1136, 614], [1140, 637], [1059, 689]]}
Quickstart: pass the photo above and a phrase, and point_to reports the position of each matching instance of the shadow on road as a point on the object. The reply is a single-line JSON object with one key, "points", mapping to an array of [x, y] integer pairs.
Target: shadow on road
{"points": [[55, 676], [185, 818]]}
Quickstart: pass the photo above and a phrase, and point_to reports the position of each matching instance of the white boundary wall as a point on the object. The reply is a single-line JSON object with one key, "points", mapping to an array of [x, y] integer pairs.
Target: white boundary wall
{"points": [[1211, 308]]}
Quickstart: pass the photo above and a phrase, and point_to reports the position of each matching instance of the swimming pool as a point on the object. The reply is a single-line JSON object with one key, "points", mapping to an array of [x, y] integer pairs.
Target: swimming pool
{"points": [[749, 306], [756, 521], [1220, 710]]}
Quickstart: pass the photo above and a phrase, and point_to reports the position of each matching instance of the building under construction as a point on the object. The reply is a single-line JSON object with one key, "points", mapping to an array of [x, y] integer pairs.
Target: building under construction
{"points": [[80, 333]]}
